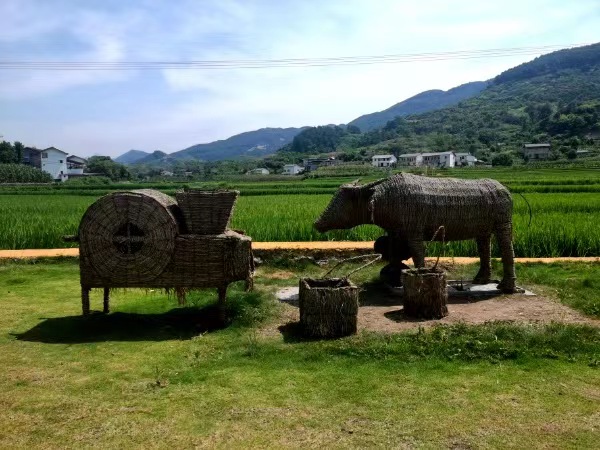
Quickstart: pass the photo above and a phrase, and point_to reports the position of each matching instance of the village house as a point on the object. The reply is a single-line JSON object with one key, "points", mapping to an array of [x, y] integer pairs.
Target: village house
{"points": [[55, 162], [384, 160], [410, 160], [259, 171], [75, 165], [465, 160], [536, 151], [441, 159], [311, 164], [292, 169]]}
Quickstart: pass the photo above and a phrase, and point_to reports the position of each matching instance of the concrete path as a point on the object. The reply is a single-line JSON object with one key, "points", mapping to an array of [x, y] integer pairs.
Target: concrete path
{"points": [[278, 246]]}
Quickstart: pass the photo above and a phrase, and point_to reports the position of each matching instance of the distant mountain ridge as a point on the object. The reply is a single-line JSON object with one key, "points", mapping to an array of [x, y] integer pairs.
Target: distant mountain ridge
{"points": [[156, 156], [249, 144], [554, 96], [267, 141], [420, 103], [131, 156]]}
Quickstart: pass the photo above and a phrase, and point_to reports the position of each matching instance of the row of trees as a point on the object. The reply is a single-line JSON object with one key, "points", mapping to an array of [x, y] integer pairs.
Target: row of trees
{"points": [[105, 166], [11, 153]]}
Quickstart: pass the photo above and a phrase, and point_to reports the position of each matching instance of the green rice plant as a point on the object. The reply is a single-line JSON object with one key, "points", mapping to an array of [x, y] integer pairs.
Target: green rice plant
{"points": [[561, 224]]}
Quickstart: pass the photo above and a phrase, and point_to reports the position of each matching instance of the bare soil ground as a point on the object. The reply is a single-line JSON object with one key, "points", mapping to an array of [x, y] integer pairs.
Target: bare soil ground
{"points": [[384, 313]]}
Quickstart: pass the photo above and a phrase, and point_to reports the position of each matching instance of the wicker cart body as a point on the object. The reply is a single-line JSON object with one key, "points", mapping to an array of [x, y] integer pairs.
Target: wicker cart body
{"points": [[134, 240]]}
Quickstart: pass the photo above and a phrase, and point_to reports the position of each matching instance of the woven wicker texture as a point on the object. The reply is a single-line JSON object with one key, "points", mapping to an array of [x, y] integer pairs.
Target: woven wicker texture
{"points": [[328, 307], [206, 212], [413, 207], [199, 261], [466, 208], [128, 235]]}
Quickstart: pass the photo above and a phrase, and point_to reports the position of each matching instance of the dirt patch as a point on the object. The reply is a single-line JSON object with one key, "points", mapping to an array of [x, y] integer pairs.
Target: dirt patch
{"points": [[515, 308], [280, 275], [384, 313]]}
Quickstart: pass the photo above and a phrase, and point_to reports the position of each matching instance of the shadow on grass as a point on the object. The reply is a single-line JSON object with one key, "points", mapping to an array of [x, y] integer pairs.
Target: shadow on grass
{"points": [[179, 323], [292, 334], [375, 293]]}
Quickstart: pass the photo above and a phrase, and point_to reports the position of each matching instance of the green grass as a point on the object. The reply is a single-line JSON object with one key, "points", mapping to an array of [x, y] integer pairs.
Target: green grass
{"points": [[565, 208], [155, 375], [562, 224], [576, 285]]}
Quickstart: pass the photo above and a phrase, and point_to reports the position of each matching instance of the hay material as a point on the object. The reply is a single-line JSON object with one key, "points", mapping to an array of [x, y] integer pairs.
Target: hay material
{"points": [[128, 236], [133, 239], [207, 212], [413, 207], [425, 293], [328, 307]]}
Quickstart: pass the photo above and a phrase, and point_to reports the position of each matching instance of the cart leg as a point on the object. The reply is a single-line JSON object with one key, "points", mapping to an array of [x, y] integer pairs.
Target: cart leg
{"points": [[85, 300], [106, 303], [249, 285], [222, 290]]}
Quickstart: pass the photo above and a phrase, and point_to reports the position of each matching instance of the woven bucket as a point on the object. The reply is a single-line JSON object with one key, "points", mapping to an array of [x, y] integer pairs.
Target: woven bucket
{"points": [[328, 307], [206, 212]]}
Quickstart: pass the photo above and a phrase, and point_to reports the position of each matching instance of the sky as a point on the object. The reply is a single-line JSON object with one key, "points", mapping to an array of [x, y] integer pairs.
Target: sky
{"points": [[109, 112]]}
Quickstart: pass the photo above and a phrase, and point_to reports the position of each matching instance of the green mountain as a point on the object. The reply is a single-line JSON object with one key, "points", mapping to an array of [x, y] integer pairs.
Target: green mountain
{"points": [[554, 98], [420, 103], [250, 144], [131, 156], [157, 157]]}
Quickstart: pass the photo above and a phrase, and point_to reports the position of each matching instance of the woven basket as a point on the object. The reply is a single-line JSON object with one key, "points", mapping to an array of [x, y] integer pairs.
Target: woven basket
{"points": [[206, 212], [328, 307]]}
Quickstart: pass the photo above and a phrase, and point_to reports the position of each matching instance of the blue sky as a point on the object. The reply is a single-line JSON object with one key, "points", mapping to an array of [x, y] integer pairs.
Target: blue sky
{"points": [[110, 112]]}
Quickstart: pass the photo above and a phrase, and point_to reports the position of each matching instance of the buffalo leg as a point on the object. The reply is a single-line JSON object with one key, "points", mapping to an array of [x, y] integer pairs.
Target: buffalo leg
{"points": [[484, 249], [504, 237], [106, 302], [85, 300], [417, 250]]}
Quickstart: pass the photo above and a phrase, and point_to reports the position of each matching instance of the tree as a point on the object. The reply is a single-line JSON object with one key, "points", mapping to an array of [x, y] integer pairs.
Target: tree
{"points": [[104, 165], [502, 159], [572, 154], [7, 153], [18, 151]]}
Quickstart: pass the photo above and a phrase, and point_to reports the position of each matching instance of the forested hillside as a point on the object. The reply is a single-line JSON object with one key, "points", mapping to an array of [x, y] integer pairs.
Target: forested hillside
{"points": [[554, 98], [420, 103], [253, 144]]}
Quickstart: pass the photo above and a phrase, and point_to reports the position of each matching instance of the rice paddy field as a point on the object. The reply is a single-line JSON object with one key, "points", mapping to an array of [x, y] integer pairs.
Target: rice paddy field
{"points": [[565, 207]]}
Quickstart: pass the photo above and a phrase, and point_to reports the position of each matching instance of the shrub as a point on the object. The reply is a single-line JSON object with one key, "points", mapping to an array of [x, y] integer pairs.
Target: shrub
{"points": [[19, 173]]}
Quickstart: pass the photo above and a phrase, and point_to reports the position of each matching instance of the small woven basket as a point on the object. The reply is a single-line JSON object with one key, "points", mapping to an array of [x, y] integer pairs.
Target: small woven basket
{"points": [[206, 212]]}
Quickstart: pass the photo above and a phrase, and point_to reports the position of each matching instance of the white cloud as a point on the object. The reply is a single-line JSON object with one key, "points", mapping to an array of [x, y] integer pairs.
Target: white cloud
{"points": [[200, 106]]}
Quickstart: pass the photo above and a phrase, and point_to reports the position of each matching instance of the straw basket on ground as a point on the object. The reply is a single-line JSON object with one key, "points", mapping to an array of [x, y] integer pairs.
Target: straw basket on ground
{"points": [[426, 289], [328, 307], [138, 239], [425, 293]]}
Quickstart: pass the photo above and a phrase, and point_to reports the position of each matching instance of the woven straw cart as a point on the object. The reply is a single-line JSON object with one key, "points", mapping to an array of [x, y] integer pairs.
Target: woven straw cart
{"points": [[146, 239]]}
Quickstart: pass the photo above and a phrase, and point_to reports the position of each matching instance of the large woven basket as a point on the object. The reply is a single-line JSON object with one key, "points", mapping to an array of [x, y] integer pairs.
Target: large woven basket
{"points": [[206, 212], [328, 307]]}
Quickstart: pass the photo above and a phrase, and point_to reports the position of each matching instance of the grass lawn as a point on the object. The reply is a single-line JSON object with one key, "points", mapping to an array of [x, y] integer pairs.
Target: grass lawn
{"points": [[155, 375]]}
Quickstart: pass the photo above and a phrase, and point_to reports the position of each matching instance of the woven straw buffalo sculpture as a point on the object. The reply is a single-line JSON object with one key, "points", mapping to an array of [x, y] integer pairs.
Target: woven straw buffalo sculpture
{"points": [[413, 207]]}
